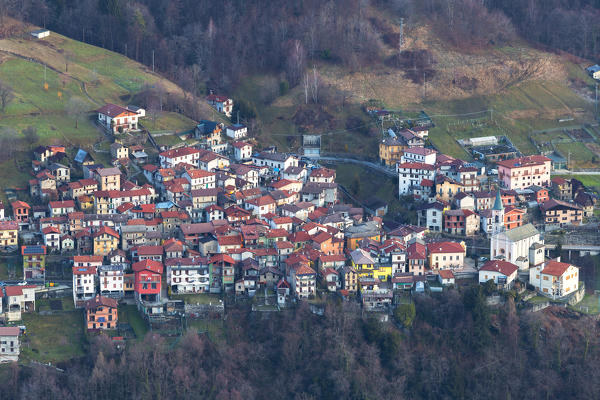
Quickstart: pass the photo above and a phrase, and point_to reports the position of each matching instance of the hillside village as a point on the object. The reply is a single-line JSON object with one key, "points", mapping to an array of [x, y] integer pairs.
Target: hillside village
{"points": [[220, 220]]}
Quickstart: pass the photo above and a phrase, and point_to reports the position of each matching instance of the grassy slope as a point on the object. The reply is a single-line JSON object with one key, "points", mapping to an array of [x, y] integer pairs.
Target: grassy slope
{"points": [[74, 69]]}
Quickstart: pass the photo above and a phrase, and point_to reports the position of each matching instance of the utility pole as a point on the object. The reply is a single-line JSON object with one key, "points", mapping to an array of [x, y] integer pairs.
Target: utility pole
{"points": [[569, 160], [596, 99], [401, 36], [152, 60]]}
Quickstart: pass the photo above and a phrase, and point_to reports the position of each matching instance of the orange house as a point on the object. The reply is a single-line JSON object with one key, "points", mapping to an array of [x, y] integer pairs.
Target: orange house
{"points": [[513, 217], [101, 313], [20, 210], [328, 244]]}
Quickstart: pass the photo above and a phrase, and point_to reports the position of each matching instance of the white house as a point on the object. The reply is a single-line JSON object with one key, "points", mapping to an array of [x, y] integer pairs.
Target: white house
{"points": [[411, 175], [420, 155], [555, 279], [200, 179], [517, 245], [222, 104], [40, 33], [236, 131], [277, 162], [241, 151], [111, 280], [446, 277], [84, 284], [501, 272], [117, 119], [9, 343], [188, 275], [187, 155]]}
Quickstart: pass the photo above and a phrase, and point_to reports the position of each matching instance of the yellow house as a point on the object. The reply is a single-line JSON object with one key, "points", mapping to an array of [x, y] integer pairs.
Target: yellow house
{"points": [[85, 202], [354, 234], [366, 267], [446, 188], [105, 241], [390, 151], [9, 233]]}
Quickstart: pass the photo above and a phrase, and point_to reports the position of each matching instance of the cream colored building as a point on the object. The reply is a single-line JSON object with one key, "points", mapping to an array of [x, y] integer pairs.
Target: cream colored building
{"points": [[555, 279]]}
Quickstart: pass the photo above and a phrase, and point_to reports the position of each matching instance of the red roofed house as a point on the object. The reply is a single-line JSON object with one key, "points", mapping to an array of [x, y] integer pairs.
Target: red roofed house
{"points": [[222, 104], [117, 119], [187, 155], [304, 281], [446, 255], [446, 277], [84, 284], [148, 274], [416, 254], [331, 279], [58, 208], [241, 150], [513, 217], [522, 172], [503, 273], [101, 313], [554, 279], [20, 211], [221, 273], [51, 237], [461, 222], [19, 299]]}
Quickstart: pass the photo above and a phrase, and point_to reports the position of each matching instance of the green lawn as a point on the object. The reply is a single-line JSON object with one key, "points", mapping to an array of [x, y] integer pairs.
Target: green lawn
{"points": [[581, 156], [538, 300], [199, 298], [168, 121], [31, 96], [214, 328], [53, 338], [130, 314], [589, 305]]}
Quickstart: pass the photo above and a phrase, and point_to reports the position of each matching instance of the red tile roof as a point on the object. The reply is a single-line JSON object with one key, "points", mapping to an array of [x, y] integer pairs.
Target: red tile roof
{"points": [[555, 268], [113, 110], [524, 161], [90, 270], [445, 247], [504, 267], [149, 265]]}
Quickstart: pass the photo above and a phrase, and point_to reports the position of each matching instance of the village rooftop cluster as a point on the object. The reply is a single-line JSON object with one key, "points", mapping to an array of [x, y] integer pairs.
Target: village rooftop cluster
{"points": [[221, 217]]}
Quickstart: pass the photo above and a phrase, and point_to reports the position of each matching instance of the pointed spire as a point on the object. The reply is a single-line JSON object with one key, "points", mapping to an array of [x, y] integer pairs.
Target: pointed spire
{"points": [[498, 203]]}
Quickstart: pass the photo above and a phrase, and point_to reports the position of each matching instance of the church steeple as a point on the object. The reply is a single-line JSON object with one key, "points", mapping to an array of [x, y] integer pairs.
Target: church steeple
{"points": [[498, 203], [498, 214]]}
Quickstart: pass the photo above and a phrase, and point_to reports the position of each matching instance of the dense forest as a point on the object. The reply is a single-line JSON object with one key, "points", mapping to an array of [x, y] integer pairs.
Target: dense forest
{"points": [[200, 43], [449, 345]]}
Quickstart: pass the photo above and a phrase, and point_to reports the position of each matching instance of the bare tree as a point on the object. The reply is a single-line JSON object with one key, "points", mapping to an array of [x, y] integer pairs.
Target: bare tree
{"points": [[306, 88], [315, 84], [77, 108], [6, 95], [295, 62]]}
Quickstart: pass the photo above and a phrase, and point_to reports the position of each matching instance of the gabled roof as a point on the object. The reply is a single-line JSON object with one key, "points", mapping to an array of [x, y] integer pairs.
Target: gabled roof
{"points": [[100, 301], [555, 268], [504, 267], [445, 247], [113, 110], [149, 265], [524, 161], [520, 233], [106, 230]]}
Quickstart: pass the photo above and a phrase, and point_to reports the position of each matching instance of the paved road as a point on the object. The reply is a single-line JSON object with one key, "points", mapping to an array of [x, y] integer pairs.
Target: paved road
{"points": [[567, 172], [389, 172]]}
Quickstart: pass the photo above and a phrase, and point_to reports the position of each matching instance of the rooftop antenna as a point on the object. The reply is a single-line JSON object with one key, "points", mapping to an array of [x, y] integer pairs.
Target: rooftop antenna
{"points": [[238, 117]]}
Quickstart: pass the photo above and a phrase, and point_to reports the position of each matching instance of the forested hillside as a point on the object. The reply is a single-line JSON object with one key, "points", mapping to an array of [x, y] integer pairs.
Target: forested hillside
{"points": [[457, 347], [202, 42]]}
